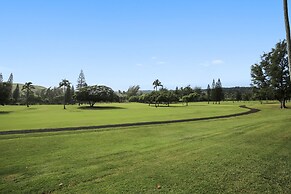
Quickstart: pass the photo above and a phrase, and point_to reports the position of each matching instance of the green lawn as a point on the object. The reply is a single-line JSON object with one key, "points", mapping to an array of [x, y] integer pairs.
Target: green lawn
{"points": [[248, 154], [44, 116]]}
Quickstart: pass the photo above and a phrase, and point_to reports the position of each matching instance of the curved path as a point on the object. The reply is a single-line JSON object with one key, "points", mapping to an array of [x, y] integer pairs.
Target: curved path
{"points": [[250, 111]]}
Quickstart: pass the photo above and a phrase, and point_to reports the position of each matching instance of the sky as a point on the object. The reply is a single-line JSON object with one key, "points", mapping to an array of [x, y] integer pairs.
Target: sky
{"points": [[121, 43]]}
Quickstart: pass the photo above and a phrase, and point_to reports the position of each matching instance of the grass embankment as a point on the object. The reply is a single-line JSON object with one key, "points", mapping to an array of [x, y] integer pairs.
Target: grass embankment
{"points": [[249, 154], [44, 116]]}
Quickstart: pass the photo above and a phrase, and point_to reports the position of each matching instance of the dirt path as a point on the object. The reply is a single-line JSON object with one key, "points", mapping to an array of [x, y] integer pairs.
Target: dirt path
{"points": [[25, 131]]}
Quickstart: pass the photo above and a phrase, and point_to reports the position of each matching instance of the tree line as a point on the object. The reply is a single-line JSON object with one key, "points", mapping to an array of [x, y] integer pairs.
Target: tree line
{"points": [[65, 93], [162, 96]]}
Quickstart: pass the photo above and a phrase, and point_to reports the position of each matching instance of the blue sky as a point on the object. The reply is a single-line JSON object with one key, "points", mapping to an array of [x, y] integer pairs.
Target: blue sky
{"points": [[121, 43]]}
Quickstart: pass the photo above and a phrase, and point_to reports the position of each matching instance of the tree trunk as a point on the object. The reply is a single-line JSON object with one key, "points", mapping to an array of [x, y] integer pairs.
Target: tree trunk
{"points": [[284, 103], [27, 104], [287, 28]]}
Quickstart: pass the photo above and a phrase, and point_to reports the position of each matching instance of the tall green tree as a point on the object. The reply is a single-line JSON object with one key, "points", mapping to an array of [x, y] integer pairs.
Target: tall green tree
{"points": [[274, 69], [27, 88], [213, 91], [218, 91], [287, 28], [16, 94], [81, 81], [208, 91], [65, 84], [260, 83], [157, 84], [10, 82]]}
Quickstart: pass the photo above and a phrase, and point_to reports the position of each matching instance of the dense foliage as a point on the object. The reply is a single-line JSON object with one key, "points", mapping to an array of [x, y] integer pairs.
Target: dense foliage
{"points": [[6, 90], [93, 94], [270, 77]]}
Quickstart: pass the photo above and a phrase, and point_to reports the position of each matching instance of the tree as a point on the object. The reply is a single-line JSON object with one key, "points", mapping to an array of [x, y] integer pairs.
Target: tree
{"points": [[81, 81], [68, 94], [165, 96], [287, 28], [93, 94], [4, 93], [272, 75], [1, 78], [259, 82], [16, 94], [213, 91], [66, 84], [208, 93], [238, 95], [218, 91], [27, 87], [10, 82], [185, 99], [157, 84], [72, 95], [10, 79], [133, 91]]}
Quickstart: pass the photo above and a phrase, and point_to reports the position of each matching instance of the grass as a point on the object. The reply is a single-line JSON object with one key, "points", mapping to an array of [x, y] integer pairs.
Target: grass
{"points": [[44, 116], [248, 154]]}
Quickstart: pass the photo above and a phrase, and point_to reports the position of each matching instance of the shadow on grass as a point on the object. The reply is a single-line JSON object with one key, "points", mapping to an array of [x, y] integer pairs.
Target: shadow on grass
{"points": [[5, 112], [100, 107], [166, 106]]}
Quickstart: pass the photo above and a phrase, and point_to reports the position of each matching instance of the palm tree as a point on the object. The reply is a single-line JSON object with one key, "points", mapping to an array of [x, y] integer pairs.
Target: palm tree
{"points": [[156, 84], [28, 90], [64, 83], [287, 27]]}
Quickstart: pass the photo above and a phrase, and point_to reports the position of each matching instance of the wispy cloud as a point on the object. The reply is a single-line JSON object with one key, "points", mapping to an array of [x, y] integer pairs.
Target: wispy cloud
{"points": [[217, 62], [213, 62], [139, 65], [161, 62], [154, 58]]}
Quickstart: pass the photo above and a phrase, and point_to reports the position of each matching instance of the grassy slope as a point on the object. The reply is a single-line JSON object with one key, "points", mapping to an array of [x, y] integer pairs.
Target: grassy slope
{"points": [[249, 154], [44, 116]]}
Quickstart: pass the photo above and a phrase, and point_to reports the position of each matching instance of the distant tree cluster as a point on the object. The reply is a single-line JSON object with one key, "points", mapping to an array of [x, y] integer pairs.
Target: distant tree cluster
{"points": [[163, 96], [63, 94], [215, 93], [238, 94]]}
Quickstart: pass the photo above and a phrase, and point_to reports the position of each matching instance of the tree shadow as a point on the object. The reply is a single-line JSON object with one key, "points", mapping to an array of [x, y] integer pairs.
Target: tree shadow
{"points": [[166, 106], [5, 112], [100, 107]]}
